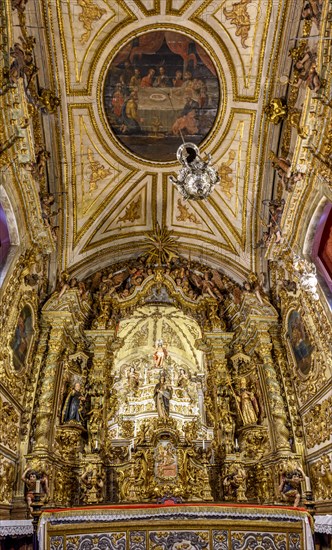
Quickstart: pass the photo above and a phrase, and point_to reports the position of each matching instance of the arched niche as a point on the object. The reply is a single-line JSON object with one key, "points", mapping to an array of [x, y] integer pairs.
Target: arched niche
{"points": [[138, 368]]}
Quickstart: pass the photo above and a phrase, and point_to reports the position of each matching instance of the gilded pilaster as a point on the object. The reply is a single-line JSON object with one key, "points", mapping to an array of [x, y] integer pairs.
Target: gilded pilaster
{"points": [[47, 388], [290, 393], [277, 413], [100, 378], [217, 347]]}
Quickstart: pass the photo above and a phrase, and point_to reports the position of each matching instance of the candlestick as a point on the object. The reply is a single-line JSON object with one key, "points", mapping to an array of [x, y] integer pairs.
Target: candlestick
{"points": [[307, 483], [203, 444]]}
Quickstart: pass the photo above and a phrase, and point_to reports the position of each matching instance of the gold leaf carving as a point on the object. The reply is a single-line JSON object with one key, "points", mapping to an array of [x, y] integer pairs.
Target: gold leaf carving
{"points": [[133, 211], [225, 171], [97, 171], [90, 13], [239, 17], [184, 214]]}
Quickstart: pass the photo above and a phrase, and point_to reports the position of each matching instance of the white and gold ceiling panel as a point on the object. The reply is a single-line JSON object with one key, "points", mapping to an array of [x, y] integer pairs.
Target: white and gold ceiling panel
{"points": [[115, 188], [242, 28], [84, 25], [129, 215], [97, 177]]}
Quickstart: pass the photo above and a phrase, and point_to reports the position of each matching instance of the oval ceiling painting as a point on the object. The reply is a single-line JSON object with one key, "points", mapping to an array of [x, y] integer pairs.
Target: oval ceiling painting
{"points": [[161, 88]]}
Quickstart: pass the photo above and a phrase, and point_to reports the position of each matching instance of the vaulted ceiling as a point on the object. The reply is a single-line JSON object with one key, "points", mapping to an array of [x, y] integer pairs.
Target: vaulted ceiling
{"points": [[112, 195]]}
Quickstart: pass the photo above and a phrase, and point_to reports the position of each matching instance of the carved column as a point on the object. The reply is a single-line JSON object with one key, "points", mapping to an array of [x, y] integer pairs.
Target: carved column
{"points": [[286, 373], [100, 376], [47, 387], [277, 413], [217, 348]]}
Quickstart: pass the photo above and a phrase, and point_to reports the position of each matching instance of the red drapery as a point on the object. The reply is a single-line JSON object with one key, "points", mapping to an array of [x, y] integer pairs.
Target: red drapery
{"points": [[123, 54], [179, 44], [206, 59], [148, 43]]}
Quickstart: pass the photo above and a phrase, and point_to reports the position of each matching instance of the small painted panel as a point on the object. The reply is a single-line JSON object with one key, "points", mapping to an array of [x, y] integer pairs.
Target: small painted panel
{"points": [[21, 340], [220, 540], [137, 540], [160, 87], [165, 461], [56, 543], [241, 540], [300, 343], [106, 541], [179, 540]]}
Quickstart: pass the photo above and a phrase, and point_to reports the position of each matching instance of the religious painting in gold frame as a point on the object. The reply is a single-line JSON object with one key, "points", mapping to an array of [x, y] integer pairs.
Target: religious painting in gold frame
{"points": [[22, 337], [161, 88], [300, 343]]}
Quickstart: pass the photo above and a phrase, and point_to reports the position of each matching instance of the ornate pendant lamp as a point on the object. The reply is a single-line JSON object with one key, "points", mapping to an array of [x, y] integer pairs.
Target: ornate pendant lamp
{"points": [[196, 179]]}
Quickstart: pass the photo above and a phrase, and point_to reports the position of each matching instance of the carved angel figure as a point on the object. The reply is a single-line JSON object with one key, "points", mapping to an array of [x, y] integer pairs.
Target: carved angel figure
{"points": [[290, 485]]}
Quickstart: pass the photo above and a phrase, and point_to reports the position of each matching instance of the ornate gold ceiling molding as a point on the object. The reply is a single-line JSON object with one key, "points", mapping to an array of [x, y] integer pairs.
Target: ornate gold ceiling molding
{"points": [[118, 177], [204, 17], [106, 231], [103, 33]]}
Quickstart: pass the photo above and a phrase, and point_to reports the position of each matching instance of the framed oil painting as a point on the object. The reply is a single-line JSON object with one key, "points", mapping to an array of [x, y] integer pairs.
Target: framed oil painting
{"points": [[160, 89], [300, 343], [21, 340], [166, 467]]}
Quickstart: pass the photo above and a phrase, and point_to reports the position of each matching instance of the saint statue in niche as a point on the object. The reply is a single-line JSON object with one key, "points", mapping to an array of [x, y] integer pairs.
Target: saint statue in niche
{"points": [[162, 396], [72, 410], [160, 354], [133, 379], [248, 404]]}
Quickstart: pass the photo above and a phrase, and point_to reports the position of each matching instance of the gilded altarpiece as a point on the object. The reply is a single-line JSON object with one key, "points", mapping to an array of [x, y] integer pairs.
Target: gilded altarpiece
{"points": [[149, 392]]}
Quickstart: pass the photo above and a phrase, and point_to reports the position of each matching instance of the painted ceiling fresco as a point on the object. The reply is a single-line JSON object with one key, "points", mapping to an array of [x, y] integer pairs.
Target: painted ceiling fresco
{"points": [[137, 77]]}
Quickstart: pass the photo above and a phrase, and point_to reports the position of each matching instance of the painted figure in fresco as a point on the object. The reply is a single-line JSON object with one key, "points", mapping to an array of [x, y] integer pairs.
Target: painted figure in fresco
{"points": [[148, 80], [248, 404], [162, 396], [290, 485], [135, 80], [129, 115], [160, 354], [162, 80], [73, 405], [178, 80], [188, 119], [118, 100]]}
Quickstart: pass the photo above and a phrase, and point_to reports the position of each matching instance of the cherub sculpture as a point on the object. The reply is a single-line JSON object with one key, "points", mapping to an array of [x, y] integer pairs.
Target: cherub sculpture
{"points": [[290, 485], [34, 483]]}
